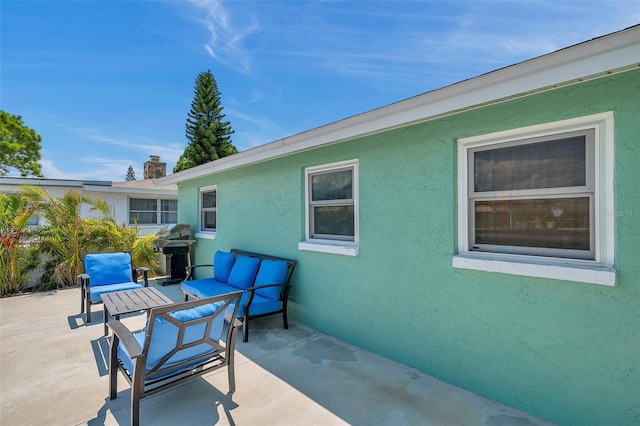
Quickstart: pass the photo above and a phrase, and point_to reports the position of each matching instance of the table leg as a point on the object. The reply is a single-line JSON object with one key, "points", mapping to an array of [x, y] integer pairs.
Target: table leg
{"points": [[105, 314]]}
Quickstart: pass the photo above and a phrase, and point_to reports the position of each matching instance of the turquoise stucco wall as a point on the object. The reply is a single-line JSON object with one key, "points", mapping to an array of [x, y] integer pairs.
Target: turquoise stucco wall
{"points": [[563, 351]]}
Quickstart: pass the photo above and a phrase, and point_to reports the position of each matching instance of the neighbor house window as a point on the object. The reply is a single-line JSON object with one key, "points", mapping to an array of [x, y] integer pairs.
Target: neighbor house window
{"points": [[208, 209], [332, 207], [169, 211], [538, 193], [150, 211]]}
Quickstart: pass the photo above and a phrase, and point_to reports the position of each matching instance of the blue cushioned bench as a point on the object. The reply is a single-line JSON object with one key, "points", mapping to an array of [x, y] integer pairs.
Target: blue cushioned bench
{"points": [[263, 279]]}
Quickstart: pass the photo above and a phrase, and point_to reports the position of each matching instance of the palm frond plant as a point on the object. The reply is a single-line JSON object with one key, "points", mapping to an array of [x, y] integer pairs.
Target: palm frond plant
{"points": [[64, 235], [15, 214], [144, 254], [105, 233]]}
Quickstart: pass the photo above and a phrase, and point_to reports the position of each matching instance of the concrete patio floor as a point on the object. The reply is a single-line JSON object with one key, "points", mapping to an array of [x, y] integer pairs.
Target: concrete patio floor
{"points": [[53, 371]]}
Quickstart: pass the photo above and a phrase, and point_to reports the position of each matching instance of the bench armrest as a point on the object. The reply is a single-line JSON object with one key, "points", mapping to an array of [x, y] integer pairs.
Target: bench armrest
{"points": [[125, 336], [190, 269], [265, 286], [252, 292]]}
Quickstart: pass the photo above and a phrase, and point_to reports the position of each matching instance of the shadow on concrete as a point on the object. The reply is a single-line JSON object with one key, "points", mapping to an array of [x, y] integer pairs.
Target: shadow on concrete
{"points": [[195, 402], [100, 348]]}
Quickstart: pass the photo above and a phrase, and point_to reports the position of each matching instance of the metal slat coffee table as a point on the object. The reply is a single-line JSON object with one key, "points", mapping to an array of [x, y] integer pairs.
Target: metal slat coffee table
{"points": [[124, 302]]}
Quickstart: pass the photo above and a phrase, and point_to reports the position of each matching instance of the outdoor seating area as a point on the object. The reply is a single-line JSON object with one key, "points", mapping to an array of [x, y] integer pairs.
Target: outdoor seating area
{"points": [[55, 371]]}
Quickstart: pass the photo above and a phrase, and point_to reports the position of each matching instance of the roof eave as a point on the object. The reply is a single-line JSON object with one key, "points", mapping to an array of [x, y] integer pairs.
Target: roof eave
{"points": [[610, 54]]}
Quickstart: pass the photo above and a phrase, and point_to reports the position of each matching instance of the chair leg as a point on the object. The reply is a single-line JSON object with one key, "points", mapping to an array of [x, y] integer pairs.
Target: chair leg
{"points": [[285, 320], [245, 328], [113, 367], [230, 354], [137, 391], [231, 373], [135, 409], [88, 307], [82, 296]]}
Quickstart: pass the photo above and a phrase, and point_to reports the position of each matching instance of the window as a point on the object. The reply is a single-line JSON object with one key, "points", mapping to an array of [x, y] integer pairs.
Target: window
{"points": [[208, 203], [144, 211], [537, 195], [332, 208], [534, 196]]}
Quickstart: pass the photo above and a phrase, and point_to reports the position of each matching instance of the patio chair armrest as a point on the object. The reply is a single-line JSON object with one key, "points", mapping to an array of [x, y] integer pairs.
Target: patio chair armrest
{"points": [[145, 275], [236, 321], [83, 279], [125, 336], [190, 270]]}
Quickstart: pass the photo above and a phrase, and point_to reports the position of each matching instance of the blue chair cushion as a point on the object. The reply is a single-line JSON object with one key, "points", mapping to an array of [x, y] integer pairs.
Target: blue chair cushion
{"points": [[222, 264], [260, 305], [99, 290], [244, 272], [108, 268], [271, 272], [206, 287], [164, 339]]}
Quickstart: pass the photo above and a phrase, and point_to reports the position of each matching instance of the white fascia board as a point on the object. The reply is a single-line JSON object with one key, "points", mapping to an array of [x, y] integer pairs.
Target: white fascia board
{"points": [[614, 53], [133, 191], [53, 182]]}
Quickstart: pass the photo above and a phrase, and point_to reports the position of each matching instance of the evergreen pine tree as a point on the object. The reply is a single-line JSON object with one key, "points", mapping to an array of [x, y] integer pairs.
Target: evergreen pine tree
{"points": [[208, 135], [131, 174]]}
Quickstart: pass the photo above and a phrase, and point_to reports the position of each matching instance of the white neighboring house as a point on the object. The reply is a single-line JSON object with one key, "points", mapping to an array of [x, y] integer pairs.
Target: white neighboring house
{"points": [[152, 206]]}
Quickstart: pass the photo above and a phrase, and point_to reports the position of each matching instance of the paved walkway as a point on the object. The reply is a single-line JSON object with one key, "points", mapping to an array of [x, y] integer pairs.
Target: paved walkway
{"points": [[53, 371]]}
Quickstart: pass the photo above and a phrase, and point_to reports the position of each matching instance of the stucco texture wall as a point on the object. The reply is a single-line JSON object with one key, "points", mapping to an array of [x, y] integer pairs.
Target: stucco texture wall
{"points": [[563, 351]]}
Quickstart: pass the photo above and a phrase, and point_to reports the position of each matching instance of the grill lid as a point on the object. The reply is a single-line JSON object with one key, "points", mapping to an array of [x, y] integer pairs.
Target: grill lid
{"points": [[174, 236]]}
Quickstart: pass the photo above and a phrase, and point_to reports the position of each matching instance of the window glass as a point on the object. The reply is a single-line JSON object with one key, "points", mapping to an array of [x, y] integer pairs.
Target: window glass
{"points": [[209, 220], [142, 204], [332, 186], [169, 205], [550, 164], [169, 217], [144, 218], [559, 223], [333, 220], [209, 199]]}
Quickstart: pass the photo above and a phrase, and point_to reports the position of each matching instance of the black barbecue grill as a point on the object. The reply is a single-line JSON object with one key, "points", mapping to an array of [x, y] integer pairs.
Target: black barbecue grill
{"points": [[174, 243]]}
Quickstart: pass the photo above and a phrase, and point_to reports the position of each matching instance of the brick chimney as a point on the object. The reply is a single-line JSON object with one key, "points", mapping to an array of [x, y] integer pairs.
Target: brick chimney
{"points": [[154, 169]]}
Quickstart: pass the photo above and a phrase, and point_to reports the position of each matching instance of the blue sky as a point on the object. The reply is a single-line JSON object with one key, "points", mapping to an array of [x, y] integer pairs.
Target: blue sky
{"points": [[108, 83]]}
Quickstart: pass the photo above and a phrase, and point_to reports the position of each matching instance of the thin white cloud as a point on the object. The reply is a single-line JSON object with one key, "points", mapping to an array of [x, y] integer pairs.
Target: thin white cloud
{"points": [[52, 172], [466, 37], [128, 151], [170, 152], [226, 37]]}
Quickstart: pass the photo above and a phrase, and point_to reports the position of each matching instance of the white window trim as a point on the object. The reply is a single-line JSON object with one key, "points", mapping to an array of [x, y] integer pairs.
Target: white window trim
{"points": [[345, 248], [209, 235], [599, 271]]}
